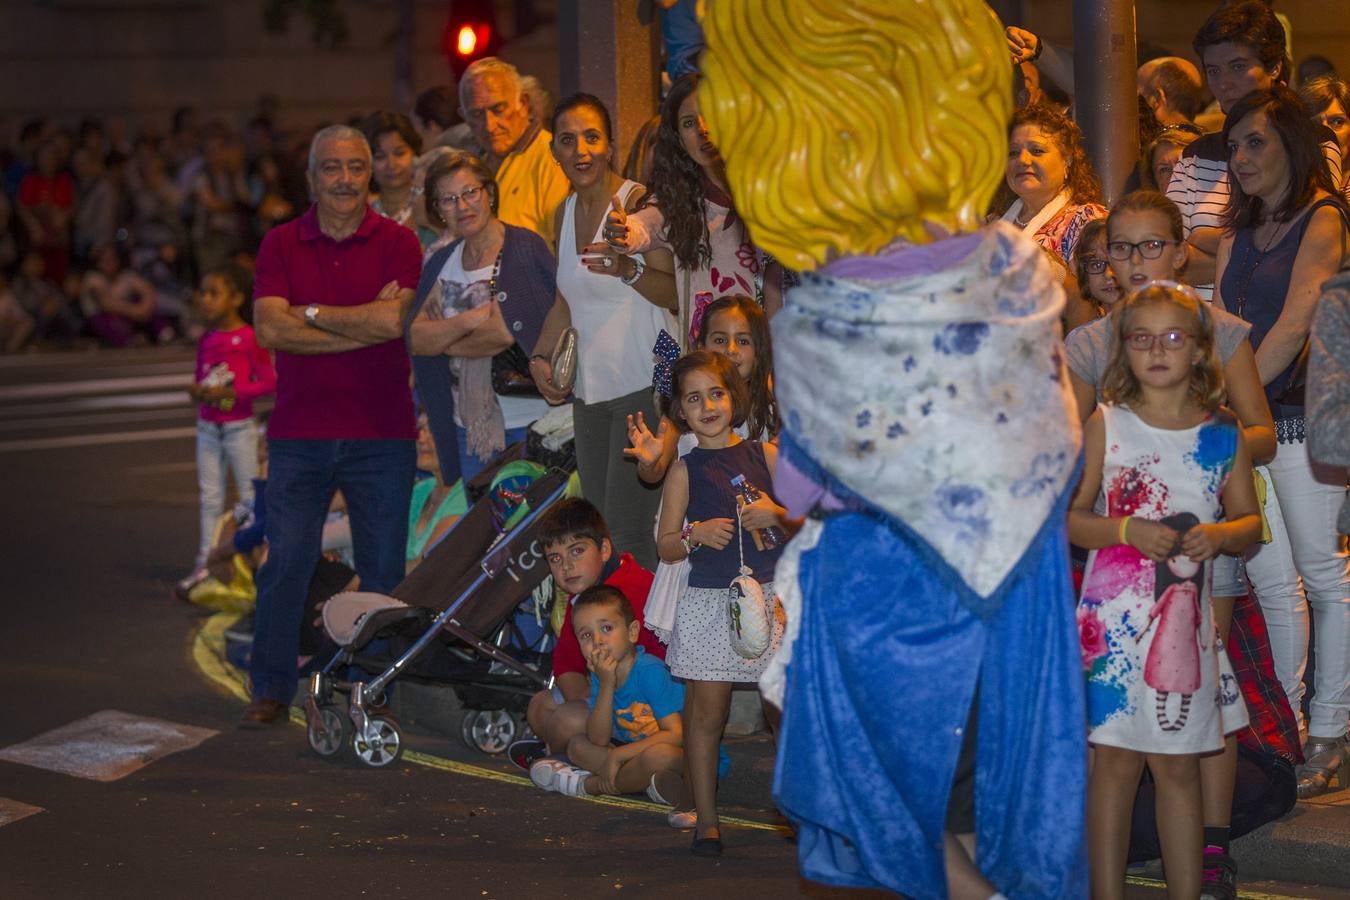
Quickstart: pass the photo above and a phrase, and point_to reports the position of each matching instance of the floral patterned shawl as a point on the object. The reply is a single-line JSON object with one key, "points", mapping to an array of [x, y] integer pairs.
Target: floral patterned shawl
{"points": [[937, 398]]}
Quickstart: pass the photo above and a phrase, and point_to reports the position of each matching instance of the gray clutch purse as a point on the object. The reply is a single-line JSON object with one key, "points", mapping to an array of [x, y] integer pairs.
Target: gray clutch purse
{"points": [[565, 360]]}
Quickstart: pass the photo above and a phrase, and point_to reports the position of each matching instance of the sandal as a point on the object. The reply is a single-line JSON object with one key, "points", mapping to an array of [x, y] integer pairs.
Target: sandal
{"points": [[1326, 759]]}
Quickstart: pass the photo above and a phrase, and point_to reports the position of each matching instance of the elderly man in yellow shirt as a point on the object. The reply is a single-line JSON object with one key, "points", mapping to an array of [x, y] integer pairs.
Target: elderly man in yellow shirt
{"points": [[530, 185]]}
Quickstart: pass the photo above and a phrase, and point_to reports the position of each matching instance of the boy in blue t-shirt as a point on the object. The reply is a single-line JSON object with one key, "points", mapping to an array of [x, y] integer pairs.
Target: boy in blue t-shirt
{"points": [[633, 736]]}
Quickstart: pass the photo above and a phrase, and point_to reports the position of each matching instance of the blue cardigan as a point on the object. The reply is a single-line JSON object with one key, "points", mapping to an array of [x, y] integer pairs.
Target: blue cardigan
{"points": [[528, 279]]}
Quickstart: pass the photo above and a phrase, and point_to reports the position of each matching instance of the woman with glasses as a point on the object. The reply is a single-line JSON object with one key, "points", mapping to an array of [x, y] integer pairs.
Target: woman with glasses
{"points": [[1055, 192], [482, 298], [1286, 236], [618, 305]]}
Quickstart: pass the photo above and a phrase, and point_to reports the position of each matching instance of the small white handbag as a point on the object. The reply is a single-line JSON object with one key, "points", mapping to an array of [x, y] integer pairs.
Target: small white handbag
{"points": [[749, 617]]}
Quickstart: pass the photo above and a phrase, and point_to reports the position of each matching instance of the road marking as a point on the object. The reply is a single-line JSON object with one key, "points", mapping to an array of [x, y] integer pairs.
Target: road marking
{"points": [[93, 440], [208, 652], [12, 811], [1158, 884], [93, 358], [68, 420], [92, 386], [105, 746], [79, 405]]}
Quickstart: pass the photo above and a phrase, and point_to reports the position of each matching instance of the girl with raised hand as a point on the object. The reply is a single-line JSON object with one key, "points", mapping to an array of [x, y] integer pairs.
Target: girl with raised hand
{"points": [[709, 400], [1162, 457], [737, 328]]}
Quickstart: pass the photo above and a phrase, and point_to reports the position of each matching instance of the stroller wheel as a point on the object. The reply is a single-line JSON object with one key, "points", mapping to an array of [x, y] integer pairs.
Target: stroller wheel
{"points": [[329, 731], [380, 744], [489, 730]]}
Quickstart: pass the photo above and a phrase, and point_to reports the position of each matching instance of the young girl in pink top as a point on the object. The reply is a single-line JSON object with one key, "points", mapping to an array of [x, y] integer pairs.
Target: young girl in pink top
{"points": [[232, 372]]}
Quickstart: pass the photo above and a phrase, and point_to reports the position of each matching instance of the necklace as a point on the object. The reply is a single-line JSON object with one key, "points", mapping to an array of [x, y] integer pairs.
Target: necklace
{"points": [[492, 280], [1249, 271]]}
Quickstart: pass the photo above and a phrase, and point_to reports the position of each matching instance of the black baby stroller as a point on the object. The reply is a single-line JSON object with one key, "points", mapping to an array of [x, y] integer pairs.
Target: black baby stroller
{"points": [[450, 621]]}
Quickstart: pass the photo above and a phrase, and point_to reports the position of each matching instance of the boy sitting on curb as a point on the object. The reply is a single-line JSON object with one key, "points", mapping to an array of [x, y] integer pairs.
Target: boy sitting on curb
{"points": [[580, 555], [633, 702]]}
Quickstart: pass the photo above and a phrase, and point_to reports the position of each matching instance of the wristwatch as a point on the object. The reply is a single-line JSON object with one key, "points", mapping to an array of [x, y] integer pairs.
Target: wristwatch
{"points": [[638, 268], [312, 315]]}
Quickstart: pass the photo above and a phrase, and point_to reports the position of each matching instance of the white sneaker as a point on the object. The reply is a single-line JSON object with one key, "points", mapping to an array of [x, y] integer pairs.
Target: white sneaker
{"points": [[544, 772], [654, 793], [682, 819], [571, 781]]}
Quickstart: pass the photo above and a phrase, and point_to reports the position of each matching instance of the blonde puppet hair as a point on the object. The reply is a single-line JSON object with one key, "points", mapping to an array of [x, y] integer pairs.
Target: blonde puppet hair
{"points": [[847, 125]]}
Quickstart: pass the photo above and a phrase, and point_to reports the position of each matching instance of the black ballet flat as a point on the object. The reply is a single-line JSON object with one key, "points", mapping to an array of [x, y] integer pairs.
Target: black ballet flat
{"points": [[709, 847]]}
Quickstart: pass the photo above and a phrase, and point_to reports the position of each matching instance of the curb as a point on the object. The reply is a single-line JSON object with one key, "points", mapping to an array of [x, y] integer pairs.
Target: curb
{"points": [[207, 652]]}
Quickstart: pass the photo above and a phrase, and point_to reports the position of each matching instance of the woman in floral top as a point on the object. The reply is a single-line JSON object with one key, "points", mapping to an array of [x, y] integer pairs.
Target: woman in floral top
{"points": [[692, 214], [1055, 188]]}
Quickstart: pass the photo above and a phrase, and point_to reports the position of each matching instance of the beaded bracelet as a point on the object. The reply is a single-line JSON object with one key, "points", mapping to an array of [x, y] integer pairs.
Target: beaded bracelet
{"points": [[685, 533]]}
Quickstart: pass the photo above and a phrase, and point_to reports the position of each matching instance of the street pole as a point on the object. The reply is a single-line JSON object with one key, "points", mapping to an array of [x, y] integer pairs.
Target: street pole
{"points": [[1105, 103], [604, 50]]}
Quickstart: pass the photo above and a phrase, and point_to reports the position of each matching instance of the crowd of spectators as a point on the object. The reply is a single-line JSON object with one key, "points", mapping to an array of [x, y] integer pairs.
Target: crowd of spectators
{"points": [[105, 232], [473, 247]]}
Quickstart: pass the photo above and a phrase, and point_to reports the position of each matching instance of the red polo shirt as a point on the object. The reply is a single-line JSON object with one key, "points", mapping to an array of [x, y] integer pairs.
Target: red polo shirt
{"points": [[362, 393]]}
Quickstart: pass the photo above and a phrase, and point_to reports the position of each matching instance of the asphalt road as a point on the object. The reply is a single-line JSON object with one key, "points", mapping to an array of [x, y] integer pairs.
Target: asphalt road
{"points": [[96, 468]]}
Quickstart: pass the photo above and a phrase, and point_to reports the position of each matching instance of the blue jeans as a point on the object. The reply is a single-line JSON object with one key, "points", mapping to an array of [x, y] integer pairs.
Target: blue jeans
{"points": [[470, 465], [220, 444], [375, 477]]}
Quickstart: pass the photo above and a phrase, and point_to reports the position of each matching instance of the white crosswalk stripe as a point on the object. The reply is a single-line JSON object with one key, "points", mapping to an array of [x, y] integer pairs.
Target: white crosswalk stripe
{"points": [[105, 746], [12, 811], [58, 401]]}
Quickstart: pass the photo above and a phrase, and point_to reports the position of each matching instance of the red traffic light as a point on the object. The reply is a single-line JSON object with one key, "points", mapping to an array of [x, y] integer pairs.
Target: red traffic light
{"points": [[470, 33], [472, 38]]}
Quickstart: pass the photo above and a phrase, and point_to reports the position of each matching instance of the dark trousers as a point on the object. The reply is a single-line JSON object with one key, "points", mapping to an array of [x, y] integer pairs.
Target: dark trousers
{"points": [[375, 477]]}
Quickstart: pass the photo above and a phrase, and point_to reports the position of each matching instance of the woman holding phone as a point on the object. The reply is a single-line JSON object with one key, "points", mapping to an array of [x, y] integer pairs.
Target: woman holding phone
{"points": [[618, 305]]}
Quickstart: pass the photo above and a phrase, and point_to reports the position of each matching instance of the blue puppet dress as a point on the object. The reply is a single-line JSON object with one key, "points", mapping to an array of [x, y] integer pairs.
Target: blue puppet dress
{"points": [[930, 437]]}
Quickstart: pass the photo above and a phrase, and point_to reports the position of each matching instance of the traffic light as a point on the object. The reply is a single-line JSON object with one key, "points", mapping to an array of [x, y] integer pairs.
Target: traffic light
{"points": [[470, 33]]}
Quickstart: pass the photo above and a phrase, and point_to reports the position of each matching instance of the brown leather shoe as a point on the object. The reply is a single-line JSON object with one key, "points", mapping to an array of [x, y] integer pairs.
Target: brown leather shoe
{"points": [[264, 712]]}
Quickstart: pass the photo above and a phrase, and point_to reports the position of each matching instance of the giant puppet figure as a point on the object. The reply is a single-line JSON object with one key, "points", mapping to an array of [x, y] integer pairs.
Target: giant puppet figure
{"points": [[934, 687]]}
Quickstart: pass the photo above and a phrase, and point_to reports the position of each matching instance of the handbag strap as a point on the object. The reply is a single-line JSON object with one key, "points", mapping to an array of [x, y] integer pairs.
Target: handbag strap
{"points": [[740, 542]]}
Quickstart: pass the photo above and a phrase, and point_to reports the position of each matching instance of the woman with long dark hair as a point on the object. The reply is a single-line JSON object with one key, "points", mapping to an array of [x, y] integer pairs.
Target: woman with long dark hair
{"points": [[1286, 236], [692, 214]]}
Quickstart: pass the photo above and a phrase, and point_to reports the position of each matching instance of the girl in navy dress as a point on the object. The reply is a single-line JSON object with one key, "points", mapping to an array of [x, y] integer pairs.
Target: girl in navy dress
{"points": [[710, 399]]}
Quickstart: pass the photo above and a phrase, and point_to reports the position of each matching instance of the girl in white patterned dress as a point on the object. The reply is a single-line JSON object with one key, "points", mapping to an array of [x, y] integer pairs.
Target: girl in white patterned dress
{"points": [[1164, 457]]}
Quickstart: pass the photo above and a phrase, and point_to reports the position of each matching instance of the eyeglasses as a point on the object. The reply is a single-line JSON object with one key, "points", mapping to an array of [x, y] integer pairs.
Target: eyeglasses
{"points": [[468, 195], [1094, 265], [1170, 340], [1122, 250]]}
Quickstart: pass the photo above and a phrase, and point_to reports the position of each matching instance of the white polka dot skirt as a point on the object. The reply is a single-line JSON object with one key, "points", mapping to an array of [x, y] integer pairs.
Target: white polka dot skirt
{"points": [[700, 647]]}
